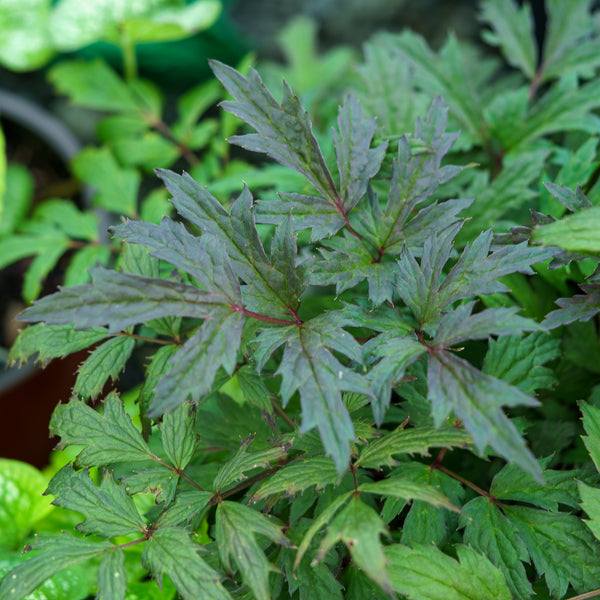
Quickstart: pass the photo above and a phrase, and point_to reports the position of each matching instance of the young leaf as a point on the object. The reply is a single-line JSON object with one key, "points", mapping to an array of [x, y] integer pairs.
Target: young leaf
{"points": [[519, 360], [194, 365], [107, 438], [380, 453], [53, 341], [105, 362], [513, 32], [476, 399], [487, 530], [563, 549], [178, 436], [284, 130], [233, 470], [109, 510], [360, 528], [426, 573], [112, 577], [236, 528], [60, 552], [170, 551], [300, 475], [120, 300]]}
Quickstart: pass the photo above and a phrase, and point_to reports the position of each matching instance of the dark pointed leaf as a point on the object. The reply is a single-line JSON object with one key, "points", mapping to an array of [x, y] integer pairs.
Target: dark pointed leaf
{"points": [[178, 436]]}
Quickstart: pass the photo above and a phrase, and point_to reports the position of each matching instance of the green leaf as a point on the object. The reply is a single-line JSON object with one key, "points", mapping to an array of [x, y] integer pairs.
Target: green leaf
{"points": [[146, 151], [426, 573], [178, 437], [233, 470], [359, 527], [157, 367], [477, 399], [591, 424], [236, 528], [16, 198], [43, 239], [108, 437], [68, 218], [92, 84], [84, 259], [590, 502], [40, 267], [520, 360], [406, 489], [53, 341], [120, 300], [487, 530], [59, 553], [21, 501], [25, 39], [170, 551], [563, 549], [106, 361], [577, 232], [116, 187], [284, 130], [187, 506], [255, 390], [215, 344], [580, 307], [512, 32], [109, 511], [408, 441], [300, 475], [112, 577]]}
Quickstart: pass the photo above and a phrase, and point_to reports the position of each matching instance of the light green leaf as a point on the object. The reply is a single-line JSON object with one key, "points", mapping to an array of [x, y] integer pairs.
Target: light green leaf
{"points": [[116, 187], [563, 549], [233, 470], [84, 259], [92, 85], [108, 509], [591, 424], [17, 197], [25, 42], [577, 232], [21, 501], [108, 437], [360, 528], [170, 551], [426, 573], [512, 31], [59, 553], [298, 476], [178, 436], [236, 528], [112, 577], [2, 173], [106, 361], [519, 360], [409, 441], [53, 341], [487, 530], [40, 267], [590, 502], [68, 218], [148, 151], [44, 239]]}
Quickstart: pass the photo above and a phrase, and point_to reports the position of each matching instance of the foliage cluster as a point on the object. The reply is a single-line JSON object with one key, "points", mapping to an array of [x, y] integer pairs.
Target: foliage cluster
{"points": [[355, 388]]}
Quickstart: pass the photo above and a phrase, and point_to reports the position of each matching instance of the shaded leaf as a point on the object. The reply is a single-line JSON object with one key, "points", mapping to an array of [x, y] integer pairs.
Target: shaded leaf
{"points": [[112, 577], [178, 436], [580, 307], [590, 502], [591, 424]]}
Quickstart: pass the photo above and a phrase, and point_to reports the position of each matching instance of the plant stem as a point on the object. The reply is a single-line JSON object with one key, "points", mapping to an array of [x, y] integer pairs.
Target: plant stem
{"points": [[177, 472], [585, 596], [130, 68], [133, 543], [279, 410], [165, 130], [249, 482], [468, 483], [267, 319]]}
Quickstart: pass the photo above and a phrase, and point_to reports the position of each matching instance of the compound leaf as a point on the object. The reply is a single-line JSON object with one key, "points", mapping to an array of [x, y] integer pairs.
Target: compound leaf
{"points": [[426, 573], [284, 130], [487, 530], [107, 437], [120, 300], [105, 362], [360, 528], [562, 548], [109, 511], [477, 399], [236, 530], [194, 365], [59, 553], [170, 551]]}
